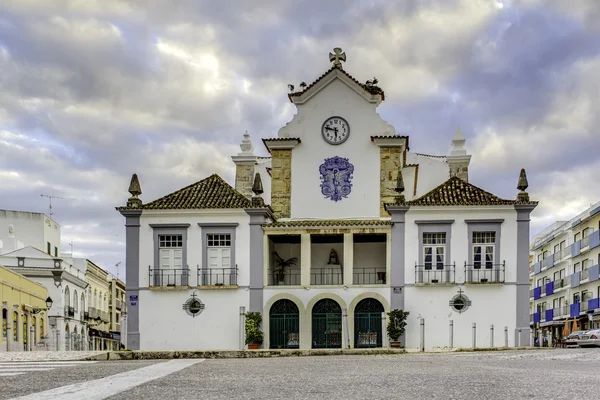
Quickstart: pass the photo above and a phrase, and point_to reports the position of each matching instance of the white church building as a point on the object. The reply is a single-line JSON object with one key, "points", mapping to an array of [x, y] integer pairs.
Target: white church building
{"points": [[340, 225]]}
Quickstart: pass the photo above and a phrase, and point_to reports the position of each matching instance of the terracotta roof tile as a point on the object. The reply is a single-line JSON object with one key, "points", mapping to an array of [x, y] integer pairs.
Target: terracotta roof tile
{"points": [[328, 223], [212, 192], [370, 89], [456, 192]]}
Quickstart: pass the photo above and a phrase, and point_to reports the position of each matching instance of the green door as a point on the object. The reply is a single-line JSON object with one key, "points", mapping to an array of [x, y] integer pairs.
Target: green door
{"points": [[284, 325], [327, 325], [367, 324]]}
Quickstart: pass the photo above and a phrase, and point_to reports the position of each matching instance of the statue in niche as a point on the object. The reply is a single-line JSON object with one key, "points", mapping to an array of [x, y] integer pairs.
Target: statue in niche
{"points": [[333, 258]]}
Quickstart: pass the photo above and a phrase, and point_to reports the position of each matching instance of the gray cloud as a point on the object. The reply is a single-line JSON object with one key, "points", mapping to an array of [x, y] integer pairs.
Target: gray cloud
{"points": [[94, 91]]}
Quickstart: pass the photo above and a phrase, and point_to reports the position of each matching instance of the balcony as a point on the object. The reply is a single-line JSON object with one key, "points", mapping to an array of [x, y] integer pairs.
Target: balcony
{"points": [[585, 274], [92, 313], [217, 277], [327, 276], [290, 277], [427, 274], [585, 242], [484, 273], [118, 304], [70, 312], [593, 304], [118, 327], [369, 276], [166, 277]]}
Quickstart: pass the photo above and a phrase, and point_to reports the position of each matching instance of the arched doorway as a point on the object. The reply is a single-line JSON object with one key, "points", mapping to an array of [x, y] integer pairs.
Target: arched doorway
{"points": [[67, 338], [284, 325], [327, 325], [367, 324], [24, 332]]}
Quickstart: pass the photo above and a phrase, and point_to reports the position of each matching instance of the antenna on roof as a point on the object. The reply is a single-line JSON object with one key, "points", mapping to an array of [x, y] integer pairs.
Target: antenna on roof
{"points": [[71, 244], [50, 198], [117, 265]]}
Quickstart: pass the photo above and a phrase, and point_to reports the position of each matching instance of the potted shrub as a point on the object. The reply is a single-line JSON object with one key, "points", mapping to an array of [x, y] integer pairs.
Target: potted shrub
{"points": [[396, 326], [281, 265], [254, 336]]}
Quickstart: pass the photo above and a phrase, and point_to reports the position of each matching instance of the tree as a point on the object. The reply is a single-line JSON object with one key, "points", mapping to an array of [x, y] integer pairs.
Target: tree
{"points": [[396, 323]]}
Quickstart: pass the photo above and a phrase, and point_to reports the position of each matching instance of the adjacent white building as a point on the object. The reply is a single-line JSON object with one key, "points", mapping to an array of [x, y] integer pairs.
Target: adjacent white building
{"points": [[361, 224], [66, 287], [22, 228]]}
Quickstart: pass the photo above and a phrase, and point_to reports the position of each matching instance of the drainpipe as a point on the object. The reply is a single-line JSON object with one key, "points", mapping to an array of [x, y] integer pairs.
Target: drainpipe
{"points": [[422, 344], [474, 335], [506, 336], [451, 333], [491, 335], [345, 326], [243, 327]]}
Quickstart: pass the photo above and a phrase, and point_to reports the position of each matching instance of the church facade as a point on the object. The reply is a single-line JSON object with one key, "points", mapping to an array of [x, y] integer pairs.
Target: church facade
{"points": [[341, 224]]}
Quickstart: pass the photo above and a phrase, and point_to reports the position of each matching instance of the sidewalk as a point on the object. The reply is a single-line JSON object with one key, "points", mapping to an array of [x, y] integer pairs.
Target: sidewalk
{"points": [[48, 355]]}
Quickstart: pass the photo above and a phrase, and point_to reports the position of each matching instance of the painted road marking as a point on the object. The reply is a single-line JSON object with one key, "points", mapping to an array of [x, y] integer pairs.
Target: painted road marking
{"points": [[11, 373], [23, 367], [114, 384]]}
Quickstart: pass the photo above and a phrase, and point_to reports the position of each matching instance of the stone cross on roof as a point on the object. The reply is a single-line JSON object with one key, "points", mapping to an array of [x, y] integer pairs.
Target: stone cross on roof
{"points": [[337, 57]]}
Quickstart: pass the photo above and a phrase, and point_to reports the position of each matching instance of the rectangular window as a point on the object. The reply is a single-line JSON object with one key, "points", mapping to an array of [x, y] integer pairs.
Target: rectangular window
{"points": [[539, 282], [170, 249], [576, 298], [555, 303], [577, 267], [434, 247], [545, 254], [49, 247], [219, 250], [576, 237], [55, 251], [586, 295], [556, 248], [563, 244], [540, 257], [556, 276], [483, 249], [586, 232], [586, 264], [562, 273]]}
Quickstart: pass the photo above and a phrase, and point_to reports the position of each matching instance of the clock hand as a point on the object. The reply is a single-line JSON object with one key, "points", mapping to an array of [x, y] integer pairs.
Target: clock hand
{"points": [[335, 130]]}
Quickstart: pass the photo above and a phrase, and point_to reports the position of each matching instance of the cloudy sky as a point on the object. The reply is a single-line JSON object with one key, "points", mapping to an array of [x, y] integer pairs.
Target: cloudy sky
{"points": [[92, 91]]}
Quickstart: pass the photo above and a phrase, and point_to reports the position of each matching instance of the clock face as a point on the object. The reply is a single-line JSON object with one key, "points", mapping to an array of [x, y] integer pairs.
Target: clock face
{"points": [[335, 130]]}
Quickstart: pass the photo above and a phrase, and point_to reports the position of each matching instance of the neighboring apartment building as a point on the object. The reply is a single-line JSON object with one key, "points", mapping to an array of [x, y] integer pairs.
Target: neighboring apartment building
{"points": [[20, 228], [351, 225], [97, 315], [117, 310], [565, 274], [24, 313], [66, 287]]}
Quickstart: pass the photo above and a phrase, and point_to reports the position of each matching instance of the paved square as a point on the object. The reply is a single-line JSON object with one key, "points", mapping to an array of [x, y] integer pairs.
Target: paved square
{"points": [[541, 374]]}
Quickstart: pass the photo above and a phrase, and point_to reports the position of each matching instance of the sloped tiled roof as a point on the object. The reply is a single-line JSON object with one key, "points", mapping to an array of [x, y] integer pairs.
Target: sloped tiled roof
{"points": [[212, 192], [456, 192], [328, 223], [370, 89]]}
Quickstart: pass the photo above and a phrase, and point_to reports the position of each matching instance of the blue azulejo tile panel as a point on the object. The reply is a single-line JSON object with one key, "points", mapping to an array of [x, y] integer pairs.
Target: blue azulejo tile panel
{"points": [[537, 293], [576, 248], [594, 239], [575, 279], [575, 308], [593, 304], [594, 272], [549, 288]]}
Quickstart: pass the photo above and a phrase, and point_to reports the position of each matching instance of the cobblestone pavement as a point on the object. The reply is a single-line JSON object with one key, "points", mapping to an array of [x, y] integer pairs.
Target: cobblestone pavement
{"points": [[541, 374], [46, 355]]}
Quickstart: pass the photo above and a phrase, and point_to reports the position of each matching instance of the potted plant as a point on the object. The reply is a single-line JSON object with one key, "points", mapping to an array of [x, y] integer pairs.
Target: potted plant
{"points": [[396, 326], [254, 336], [281, 265]]}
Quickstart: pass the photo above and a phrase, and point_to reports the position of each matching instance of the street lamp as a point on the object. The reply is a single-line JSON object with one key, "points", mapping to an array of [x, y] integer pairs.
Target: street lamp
{"points": [[36, 310], [48, 303]]}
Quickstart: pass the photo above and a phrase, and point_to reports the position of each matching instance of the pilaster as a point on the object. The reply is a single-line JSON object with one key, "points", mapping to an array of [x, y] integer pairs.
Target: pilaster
{"points": [[522, 286], [132, 274], [244, 174], [348, 258], [305, 259], [258, 216]]}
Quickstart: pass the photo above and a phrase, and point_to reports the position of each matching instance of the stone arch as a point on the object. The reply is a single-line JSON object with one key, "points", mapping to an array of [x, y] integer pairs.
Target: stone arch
{"points": [[352, 308], [267, 308], [309, 312]]}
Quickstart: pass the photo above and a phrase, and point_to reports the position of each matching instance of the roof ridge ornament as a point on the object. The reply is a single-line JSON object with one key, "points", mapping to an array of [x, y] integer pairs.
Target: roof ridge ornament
{"points": [[522, 185], [337, 57], [399, 189], [135, 189], [257, 189]]}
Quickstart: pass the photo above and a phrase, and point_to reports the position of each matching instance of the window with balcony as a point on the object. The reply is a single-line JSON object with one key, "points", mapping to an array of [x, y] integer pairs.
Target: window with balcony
{"points": [[483, 249], [434, 246], [577, 237], [576, 267], [170, 262], [219, 271], [557, 249], [545, 254], [576, 298], [540, 257]]}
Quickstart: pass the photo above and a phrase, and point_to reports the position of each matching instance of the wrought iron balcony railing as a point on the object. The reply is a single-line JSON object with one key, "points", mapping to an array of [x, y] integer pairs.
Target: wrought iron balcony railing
{"points": [[217, 277], [289, 277], [326, 276], [369, 276], [118, 304], [484, 273], [70, 311], [169, 277], [434, 274]]}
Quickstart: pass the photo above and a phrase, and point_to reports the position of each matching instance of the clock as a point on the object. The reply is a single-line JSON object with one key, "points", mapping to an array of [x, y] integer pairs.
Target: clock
{"points": [[335, 130]]}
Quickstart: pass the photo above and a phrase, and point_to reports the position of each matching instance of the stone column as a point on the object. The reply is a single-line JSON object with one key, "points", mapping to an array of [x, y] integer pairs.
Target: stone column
{"points": [[522, 267], [31, 338], [258, 216], [305, 259], [132, 273], [348, 259]]}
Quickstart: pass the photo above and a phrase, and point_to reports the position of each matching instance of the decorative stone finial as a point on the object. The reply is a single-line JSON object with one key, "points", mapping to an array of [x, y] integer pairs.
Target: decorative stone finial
{"points": [[135, 189], [399, 189], [257, 189], [246, 145], [337, 57], [522, 185], [458, 143]]}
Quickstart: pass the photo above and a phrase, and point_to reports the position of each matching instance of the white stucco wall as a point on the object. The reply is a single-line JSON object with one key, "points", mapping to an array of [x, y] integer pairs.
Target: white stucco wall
{"points": [[30, 229], [433, 171], [336, 99]]}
